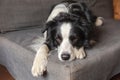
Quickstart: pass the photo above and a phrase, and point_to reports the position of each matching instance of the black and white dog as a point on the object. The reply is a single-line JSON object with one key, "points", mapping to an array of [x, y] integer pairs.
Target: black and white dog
{"points": [[69, 28]]}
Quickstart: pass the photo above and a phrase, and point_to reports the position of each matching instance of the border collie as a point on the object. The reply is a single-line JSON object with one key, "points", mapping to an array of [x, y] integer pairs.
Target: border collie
{"points": [[69, 28]]}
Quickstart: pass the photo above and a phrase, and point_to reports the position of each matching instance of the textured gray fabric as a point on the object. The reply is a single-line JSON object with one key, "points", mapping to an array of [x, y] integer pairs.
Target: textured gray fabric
{"points": [[18, 61], [103, 8], [102, 60], [21, 14], [24, 38]]}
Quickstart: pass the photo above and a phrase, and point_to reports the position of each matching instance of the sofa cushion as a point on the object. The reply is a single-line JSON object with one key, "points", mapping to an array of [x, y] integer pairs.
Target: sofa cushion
{"points": [[30, 39], [101, 63], [24, 14]]}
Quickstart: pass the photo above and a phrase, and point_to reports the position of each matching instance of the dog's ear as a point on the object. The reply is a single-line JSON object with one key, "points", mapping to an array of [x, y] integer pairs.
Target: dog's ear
{"points": [[49, 24], [50, 29]]}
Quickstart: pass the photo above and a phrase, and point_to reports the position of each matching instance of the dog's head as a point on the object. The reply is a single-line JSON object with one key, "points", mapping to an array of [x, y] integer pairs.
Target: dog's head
{"points": [[67, 33]]}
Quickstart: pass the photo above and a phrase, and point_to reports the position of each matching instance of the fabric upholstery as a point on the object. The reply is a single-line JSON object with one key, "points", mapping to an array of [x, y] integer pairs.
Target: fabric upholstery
{"points": [[101, 63], [24, 14], [116, 5], [20, 14], [103, 8], [18, 48], [25, 38]]}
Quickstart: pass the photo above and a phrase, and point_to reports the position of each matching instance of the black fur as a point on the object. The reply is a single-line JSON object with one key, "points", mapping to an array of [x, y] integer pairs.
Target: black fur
{"points": [[83, 26]]}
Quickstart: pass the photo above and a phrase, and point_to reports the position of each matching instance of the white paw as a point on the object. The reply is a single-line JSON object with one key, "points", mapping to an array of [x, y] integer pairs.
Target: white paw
{"points": [[39, 66], [80, 54], [40, 61], [99, 21]]}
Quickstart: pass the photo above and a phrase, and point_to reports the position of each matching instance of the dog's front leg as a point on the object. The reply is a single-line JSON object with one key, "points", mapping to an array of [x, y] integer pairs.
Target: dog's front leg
{"points": [[40, 61]]}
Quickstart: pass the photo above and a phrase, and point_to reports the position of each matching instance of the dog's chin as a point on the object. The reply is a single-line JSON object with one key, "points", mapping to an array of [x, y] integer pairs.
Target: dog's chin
{"points": [[67, 60]]}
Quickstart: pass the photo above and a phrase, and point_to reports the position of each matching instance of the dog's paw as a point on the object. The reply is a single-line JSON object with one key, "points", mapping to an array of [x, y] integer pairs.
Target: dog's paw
{"points": [[99, 21], [39, 66], [40, 61], [81, 54]]}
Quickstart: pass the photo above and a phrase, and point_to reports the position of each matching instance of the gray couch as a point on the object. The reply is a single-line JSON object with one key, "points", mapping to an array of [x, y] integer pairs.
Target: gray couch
{"points": [[21, 22]]}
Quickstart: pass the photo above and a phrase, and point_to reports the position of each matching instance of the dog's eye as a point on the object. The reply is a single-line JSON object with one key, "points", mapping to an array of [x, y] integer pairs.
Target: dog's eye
{"points": [[74, 39], [59, 39]]}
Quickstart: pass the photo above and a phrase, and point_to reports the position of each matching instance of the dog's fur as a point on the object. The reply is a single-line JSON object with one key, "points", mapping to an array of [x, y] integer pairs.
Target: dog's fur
{"points": [[69, 28]]}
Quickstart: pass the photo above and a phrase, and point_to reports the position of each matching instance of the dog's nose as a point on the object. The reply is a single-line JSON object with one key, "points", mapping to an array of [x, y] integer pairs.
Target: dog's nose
{"points": [[65, 56]]}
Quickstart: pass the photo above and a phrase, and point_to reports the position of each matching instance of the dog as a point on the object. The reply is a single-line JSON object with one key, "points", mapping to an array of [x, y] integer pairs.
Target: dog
{"points": [[69, 29]]}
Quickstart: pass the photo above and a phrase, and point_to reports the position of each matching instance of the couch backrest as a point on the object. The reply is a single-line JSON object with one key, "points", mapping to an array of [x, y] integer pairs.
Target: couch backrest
{"points": [[21, 14], [103, 8]]}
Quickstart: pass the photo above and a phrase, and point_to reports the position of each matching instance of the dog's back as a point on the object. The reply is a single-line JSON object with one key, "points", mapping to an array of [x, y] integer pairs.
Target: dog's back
{"points": [[73, 8]]}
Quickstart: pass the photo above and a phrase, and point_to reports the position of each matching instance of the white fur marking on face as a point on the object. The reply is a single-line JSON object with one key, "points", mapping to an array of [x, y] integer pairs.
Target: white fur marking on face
{"points": [[59, 8], [65, 44], [40, 61], [65, 30]]}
